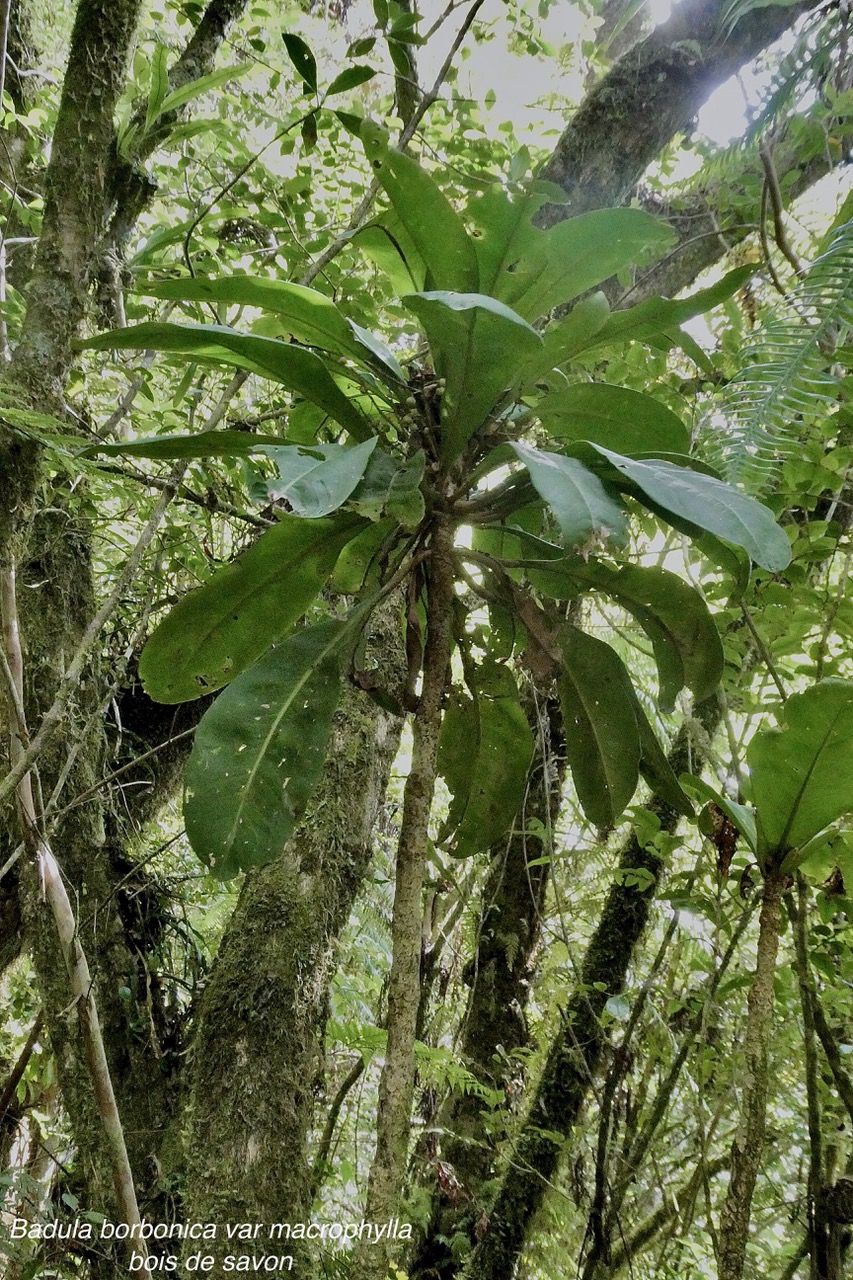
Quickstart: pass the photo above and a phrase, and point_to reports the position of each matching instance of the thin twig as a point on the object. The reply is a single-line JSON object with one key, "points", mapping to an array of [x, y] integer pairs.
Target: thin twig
{"points": [[774, 193]]}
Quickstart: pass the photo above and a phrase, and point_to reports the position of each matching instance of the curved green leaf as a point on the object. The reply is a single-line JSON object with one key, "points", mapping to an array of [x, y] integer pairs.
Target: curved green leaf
{"points": [[311, 317], [802, 773], [436, 229], [687, 646], [581, 505], [602, 734], [657, 319], [219, 629], [480, 348], [709, 504], [315, 480], [301, 370], [259, 751], [485, 751], [627, 421], [205, 84]]}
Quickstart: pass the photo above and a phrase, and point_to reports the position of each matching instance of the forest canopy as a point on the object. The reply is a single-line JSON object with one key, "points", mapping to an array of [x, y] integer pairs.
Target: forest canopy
{"points": [[426, 712]]}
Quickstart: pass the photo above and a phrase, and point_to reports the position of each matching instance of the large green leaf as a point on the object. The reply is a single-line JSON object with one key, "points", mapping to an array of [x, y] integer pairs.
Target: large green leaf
{"points": [[627, 421], [709, 504], [583, 508], [259, 751], [311, 317], [485, 751], [533, 270], [297, 368], [686, 643], [436, 229], [602, 734], [480, 348], [655, 769], [315, 480], [802, 773], [657, 319], [219, 629]]}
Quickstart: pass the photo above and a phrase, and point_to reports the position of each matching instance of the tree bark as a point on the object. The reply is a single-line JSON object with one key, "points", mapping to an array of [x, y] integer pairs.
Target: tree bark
{"points": [[576, 1051], [397, 1082], [651, 94]]}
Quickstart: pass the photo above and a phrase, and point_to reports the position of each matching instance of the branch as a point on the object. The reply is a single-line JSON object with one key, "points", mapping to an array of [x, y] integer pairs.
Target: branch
{"points": [[652, 94]]}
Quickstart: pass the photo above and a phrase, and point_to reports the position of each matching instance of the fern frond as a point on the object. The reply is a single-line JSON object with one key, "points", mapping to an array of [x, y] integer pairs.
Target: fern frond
{"points": [[786, 375]]}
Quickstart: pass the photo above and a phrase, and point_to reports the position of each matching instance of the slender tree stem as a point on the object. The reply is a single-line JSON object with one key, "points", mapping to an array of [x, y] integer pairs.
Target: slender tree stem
{"points": [[816, 1225], [396, 1086], [749, 1139]]}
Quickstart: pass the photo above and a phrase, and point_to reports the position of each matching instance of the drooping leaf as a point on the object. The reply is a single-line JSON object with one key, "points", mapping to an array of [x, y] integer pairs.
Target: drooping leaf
{"points": [[627, 421], [655, 769], [480, 348], [686, 643], [302, 58], [802, 773], [709, 504], [259, 751], [602, 735], [301, 370], [436, 229], [219, 629], [484, 754], [581, 505], [315, 480]]}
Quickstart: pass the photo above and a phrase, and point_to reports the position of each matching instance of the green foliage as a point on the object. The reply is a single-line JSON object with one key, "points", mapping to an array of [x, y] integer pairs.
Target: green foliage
{"points": [[801, 774], [260, 750], [786, 371], [449, 442], [484, 754], [218, 630], [602, 734]]}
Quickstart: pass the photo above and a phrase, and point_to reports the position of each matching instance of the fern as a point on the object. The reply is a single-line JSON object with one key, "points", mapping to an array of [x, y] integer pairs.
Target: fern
{"points": [[786, 372]]}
